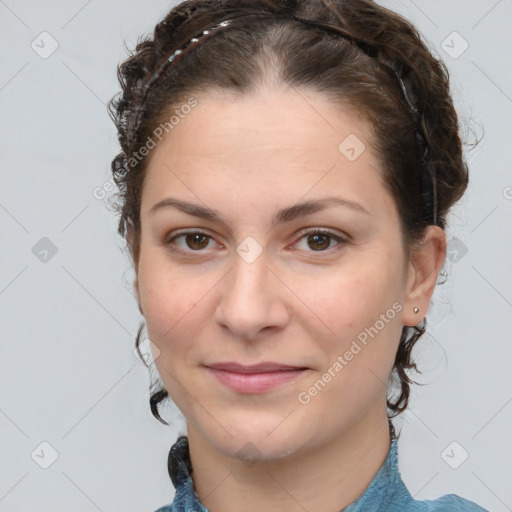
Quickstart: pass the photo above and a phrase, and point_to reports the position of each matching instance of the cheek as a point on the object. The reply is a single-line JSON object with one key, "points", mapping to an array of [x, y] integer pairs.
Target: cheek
{"points": [[347, 301], [174, 313], [359, 313], [170, 299]]}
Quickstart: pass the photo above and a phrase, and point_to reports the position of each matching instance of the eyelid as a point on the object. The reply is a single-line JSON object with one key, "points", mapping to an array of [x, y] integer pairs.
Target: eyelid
{"points": [[339, 238], [325, 231], [190, 231]]}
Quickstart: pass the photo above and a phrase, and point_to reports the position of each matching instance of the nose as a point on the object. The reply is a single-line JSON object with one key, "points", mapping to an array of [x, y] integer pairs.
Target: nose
{"points": [[253, 299]]}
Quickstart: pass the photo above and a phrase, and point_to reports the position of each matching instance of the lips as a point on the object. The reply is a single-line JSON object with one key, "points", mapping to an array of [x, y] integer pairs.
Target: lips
{"points": [[265, 367], [256, 378]]}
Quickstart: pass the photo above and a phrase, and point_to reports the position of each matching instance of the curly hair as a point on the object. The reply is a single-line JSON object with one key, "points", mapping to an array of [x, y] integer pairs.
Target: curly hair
{"points": [[267, 44]]}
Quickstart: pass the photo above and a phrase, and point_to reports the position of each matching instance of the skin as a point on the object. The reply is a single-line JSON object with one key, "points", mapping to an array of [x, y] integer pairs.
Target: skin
{"points": [[299, 302]]}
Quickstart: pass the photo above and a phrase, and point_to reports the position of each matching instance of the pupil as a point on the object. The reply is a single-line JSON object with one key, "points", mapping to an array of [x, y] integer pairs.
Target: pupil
{"points": [[317, 240], [316, 237], [195, 237]]}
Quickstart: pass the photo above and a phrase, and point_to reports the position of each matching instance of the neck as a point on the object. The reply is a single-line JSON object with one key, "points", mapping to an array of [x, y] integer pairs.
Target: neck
{"points": [[327, 476]]}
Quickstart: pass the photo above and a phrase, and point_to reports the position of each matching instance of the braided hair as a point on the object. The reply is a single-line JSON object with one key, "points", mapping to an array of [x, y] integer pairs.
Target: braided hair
{"points": [[353, 51]]}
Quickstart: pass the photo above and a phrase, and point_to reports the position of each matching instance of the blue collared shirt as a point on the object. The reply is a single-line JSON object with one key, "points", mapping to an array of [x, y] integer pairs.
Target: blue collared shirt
{"points": [[385, 493]]}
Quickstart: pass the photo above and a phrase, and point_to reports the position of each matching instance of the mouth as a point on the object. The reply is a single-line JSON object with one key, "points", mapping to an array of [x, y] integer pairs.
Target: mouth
{"points": [[256, 378]]}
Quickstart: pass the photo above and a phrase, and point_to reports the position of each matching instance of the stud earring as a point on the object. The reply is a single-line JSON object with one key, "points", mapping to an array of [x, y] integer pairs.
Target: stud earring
{"points": [[416, 310]]}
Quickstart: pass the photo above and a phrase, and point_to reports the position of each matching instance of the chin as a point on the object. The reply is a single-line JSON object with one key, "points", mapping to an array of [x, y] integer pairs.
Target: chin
{"points": [[252, 450], [258, 436]]}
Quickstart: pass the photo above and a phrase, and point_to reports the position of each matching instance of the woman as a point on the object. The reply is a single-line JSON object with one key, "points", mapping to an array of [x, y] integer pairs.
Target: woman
{"points": [[285, 176]]}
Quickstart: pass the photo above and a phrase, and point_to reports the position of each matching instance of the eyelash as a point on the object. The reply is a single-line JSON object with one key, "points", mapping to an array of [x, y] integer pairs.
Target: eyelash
{"points": [[324, 232]]}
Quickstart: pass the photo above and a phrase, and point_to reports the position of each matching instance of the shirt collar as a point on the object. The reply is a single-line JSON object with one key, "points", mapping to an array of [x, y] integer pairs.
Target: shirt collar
{"points": [[378, 495], [180, 471]]}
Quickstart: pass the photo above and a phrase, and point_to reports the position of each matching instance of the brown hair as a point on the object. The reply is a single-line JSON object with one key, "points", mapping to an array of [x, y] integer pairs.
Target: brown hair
{"points": [[276, 48]]}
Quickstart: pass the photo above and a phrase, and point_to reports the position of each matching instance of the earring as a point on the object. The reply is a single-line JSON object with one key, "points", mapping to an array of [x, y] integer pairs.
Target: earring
{"points": [[416, 310]]}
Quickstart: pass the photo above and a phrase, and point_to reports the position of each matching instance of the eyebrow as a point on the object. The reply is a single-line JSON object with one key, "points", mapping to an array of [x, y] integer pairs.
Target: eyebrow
{"points": [[284, 215]]}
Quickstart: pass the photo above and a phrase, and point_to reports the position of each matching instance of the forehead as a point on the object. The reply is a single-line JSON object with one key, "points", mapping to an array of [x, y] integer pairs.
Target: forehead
{"points": [[295, 118], [290, 141]]}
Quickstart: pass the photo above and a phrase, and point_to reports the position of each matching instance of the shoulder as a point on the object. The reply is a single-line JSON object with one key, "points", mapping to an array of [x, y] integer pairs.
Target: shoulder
{"points": [[400, 499], [448, 502], [182, 507]]}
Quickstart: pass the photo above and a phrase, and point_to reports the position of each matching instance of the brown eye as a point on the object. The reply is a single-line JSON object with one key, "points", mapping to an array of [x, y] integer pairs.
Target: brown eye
{"points": [[319, 240], [195, 241]]}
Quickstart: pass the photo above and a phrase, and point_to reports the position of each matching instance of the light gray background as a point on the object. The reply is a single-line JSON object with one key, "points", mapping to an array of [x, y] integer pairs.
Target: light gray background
{"points": [[68, 375]]}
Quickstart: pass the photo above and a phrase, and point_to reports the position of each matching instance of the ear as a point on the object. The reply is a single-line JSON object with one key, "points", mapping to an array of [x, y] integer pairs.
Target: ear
{"points": [[425, 263], [136, 286], [129, 239]]}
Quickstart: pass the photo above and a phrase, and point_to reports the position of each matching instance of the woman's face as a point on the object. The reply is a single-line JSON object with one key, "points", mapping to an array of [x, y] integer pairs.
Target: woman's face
{"points": [[253, 286]]}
